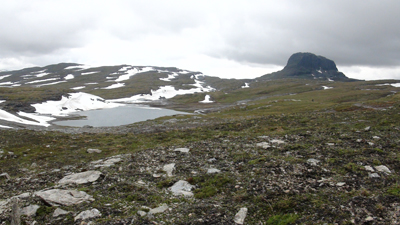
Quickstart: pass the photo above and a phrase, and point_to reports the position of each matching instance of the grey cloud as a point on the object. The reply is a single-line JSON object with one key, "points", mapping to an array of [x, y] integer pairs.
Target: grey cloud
{"points": [[349, 32]]}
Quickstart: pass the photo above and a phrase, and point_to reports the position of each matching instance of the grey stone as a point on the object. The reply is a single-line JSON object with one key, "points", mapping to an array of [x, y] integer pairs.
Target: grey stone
{"points": [[182, 188], [159, 209], [313, 162], [56, 197], [240, 216], [373, 175], [184, 150], [5, 176], [23, 195], [169, 168], [264, 145], [93, 150], [59, 212], [141, 213], [81, 178], [382, 168], [340, 184], [29, 210], [213, 170], [88, 214], [276, 141], [369, 168], [367, 128]]}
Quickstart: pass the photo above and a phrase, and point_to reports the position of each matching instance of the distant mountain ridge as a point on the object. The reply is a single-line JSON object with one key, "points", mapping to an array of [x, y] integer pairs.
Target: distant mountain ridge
{"points": [[307, 65]]}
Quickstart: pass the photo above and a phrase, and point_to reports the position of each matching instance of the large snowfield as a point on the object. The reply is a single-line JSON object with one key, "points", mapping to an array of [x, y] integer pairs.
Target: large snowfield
{"points": [[75, 102]]}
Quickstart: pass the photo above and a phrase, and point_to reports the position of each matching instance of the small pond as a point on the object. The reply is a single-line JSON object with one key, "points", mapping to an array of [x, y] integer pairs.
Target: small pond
{"points": [[117, 116]]}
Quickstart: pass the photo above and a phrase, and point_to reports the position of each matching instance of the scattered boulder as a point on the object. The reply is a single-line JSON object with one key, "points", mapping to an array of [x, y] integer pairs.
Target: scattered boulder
{"points": [[5, 176], [184, 150], [88, 214], [264, 145], [81, 178], [213, 170], [29, 210], [55, 197], [59, 212], [182, 188], [276, 141], [159, 209], [107, 163], [313, 162], [373, 175], [141, 213], [369, 168], [93, 150], [169, 168], [383, 169], [240, 216]]}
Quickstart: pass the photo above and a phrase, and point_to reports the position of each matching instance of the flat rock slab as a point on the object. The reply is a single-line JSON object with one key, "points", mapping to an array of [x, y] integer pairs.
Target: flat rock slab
{"points": [[30, 210], [182, 188], [81, 178], [60, 212], [240, 216], [88, 214], [159, 209], [56, 197]]}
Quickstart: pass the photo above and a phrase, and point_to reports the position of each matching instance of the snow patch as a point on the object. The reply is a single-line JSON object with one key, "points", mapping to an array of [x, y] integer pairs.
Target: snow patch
{"points": [[113, 86], [170, 77], [4, 76], [207, 99], [392, 84], [78, 88], [51, 83], [69, 77], [326, 87], [132, 72], [87, 73], [42, 74], [6, 83], [74, 102], [246, 85], [165, 92], [13, 118], [41, 81]]}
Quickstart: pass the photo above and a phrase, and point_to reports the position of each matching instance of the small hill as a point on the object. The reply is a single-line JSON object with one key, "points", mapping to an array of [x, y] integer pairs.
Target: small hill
{"points": [[309, 66]]}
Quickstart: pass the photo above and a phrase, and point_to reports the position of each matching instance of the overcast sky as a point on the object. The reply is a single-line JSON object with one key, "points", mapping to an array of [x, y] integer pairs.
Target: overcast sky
{"points": [[230, 39]]}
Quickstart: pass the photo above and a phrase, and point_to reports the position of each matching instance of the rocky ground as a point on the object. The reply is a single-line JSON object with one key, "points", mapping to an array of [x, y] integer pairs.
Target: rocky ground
{"points": [[302, 168]]}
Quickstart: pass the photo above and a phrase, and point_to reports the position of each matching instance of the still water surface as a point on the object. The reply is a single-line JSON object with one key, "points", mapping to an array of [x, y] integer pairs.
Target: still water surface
{"points": [[118, 116]]}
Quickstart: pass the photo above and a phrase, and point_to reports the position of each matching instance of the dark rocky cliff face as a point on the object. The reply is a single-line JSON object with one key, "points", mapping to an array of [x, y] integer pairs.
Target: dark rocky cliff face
{"points": [[309, 66]]}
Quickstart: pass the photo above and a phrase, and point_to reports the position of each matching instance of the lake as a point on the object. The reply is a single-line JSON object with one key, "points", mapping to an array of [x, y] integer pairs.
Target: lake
{"points": [[122, 115]]}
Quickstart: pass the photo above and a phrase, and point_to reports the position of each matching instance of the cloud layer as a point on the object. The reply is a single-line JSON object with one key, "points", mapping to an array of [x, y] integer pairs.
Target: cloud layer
{"points": [[200, 35]]}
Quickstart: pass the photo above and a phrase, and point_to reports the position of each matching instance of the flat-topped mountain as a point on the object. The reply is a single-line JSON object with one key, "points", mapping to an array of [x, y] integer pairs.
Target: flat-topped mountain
{"points": [[309, 66]]}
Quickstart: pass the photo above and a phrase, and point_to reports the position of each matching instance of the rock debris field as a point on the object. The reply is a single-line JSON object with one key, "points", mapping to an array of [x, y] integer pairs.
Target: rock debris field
{"points": [[303, 176]]}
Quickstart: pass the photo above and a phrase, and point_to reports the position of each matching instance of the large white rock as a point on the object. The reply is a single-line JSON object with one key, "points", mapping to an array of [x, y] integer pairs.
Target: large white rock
{"points": [[88, 214], [81, 178], [240, 216], [56, 197], [182, 188]]}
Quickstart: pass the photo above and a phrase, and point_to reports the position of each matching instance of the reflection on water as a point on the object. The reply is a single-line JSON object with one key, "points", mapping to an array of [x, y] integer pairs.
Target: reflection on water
{"points": [[118, 116]]}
